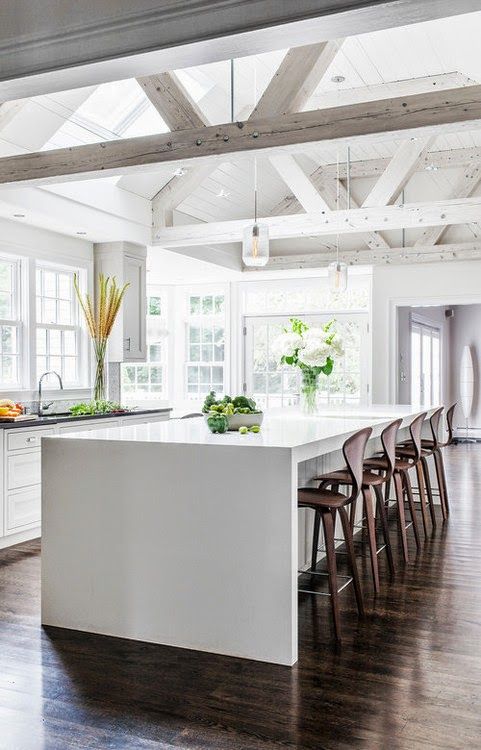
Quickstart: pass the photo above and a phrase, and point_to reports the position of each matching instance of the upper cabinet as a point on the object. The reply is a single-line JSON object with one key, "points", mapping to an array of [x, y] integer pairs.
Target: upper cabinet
{"points": [[127, 262]]}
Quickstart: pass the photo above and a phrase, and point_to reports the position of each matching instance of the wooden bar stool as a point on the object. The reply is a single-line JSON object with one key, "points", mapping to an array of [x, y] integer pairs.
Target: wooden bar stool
{"points": [[371, 482], [435, 447], [402, 485], [326, 504], [414, 452]]}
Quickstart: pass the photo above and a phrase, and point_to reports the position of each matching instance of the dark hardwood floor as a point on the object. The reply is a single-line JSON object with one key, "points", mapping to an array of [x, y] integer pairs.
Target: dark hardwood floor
{"points": [[407, 677]]}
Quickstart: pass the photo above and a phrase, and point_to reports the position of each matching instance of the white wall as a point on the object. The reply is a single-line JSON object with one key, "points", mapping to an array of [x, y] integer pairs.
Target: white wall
{"points": [[447, 283]]}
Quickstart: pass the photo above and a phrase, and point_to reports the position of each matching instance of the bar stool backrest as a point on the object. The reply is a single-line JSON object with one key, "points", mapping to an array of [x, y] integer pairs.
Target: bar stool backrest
{"points": [[434, 421], [415, 429], [353, 450], [450, 424], [388, 440]]}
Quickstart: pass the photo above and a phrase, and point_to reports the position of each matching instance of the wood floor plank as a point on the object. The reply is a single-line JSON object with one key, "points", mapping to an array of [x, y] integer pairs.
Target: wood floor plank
{"points": [[408, 677]]}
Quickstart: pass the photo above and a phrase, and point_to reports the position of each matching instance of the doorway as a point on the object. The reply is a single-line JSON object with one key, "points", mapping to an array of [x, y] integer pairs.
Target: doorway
{"points": [[425, 363]]}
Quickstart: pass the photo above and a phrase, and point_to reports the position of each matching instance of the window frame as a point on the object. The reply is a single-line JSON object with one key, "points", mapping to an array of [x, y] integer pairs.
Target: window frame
{"points": [[17, 322], [223, 320]]}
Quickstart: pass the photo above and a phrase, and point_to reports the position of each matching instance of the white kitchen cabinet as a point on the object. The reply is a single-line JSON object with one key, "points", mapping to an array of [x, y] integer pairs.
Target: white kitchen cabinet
{"points": [[127, 263]]}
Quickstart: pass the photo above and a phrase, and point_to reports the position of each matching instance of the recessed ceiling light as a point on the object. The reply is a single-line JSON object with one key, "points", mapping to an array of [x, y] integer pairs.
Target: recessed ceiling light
{"points": [[338, 79], [82, 233], [179, 172], [18, 216], [431, 167]]}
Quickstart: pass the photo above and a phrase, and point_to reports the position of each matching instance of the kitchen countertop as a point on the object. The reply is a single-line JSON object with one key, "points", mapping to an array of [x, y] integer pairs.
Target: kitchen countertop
{"points": [[280, 428], [59, 418]]}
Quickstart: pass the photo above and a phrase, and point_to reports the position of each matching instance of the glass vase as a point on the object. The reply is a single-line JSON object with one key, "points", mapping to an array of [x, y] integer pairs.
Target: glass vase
{"points": [[309, 390], [100, 383]]}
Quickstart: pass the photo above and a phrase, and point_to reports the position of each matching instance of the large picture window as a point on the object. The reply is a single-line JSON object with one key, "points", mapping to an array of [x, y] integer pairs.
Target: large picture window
{"points": [[58, 330], [205, 345], [148, 380], [10, 323]]}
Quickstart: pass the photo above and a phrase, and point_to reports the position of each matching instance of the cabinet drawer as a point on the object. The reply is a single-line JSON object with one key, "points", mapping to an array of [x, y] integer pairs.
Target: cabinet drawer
{"points": [[23, 508], [23, 469], [19, 439], [86, 426]]}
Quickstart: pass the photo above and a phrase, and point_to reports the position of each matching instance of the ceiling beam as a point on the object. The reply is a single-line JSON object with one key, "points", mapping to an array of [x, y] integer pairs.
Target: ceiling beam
{"points": [[416, 115], [172, 101], [296, 79], [353, 221], [296, 180], [464, 188], [398, 172], [395, 256], [299, 73]]}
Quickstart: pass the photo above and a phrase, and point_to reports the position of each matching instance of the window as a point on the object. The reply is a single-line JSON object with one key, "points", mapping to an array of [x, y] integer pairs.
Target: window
{"points": [[10, 323], [425, 364], [205, 345], [58, 331], [148, 380]]}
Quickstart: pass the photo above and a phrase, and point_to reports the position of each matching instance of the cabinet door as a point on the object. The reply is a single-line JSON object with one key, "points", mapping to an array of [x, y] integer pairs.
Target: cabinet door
{"points": [[134, 311], [23, 469], [23, 508]]}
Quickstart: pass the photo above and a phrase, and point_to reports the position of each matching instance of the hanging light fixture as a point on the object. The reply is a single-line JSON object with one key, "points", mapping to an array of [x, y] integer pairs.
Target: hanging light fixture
{"points": [[255, 241], [337, 270]]}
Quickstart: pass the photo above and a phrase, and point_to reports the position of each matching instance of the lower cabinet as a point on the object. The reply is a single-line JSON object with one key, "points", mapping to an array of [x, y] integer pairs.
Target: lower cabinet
{"points": [[21, 487]]}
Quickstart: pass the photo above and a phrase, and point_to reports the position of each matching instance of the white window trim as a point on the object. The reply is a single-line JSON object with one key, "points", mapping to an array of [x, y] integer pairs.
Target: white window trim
{"points": [[18, 320]]}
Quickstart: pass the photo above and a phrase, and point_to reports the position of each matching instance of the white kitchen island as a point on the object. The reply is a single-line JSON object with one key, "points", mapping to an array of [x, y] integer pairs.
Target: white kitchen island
{"points": [[166, 533]]}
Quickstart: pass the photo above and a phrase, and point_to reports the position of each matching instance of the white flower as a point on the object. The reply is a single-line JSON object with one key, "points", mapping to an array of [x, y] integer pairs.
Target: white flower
{"points": [[316, 333], [286, 344], [337, 347], [315, 353]]}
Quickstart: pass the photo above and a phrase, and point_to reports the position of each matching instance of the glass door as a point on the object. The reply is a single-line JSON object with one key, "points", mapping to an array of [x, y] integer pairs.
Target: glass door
{"points": [[425, 364], [273, 385]]}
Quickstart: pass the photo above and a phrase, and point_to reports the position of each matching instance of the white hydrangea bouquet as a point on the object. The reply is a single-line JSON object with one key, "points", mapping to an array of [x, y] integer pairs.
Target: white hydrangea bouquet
{"points": [[313, 350]]}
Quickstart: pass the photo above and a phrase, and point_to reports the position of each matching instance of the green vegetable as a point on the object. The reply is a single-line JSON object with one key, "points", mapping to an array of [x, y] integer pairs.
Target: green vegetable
{"points": [[229, 406], [255, 428], [217, 422], [242, 402], [96, 407], [243, 430], [209, 401]]}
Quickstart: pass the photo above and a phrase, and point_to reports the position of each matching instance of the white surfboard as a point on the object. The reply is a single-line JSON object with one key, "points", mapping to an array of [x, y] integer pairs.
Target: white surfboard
{"points": [[466, 381]]}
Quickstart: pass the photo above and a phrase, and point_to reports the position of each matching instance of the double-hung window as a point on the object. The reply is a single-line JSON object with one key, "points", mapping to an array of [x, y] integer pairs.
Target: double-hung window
{"points": [[58, 334], [10, 323], [205, 345], [148, 380]]}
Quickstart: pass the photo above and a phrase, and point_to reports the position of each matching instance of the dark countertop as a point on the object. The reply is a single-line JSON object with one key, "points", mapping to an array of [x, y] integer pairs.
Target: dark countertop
{"points": [[59, 418]]}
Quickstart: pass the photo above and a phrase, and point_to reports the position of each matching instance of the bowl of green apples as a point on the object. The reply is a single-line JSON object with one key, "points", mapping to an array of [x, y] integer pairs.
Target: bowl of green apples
{"points": [[231, 414]]}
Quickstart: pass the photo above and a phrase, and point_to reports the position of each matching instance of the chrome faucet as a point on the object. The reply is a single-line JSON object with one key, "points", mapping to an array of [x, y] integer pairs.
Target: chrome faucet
{"points": [[40, 406]]}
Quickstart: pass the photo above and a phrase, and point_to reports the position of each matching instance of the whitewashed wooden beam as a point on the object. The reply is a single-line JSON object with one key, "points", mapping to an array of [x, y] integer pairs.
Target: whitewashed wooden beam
{"points": [[354, 221], [417, 115], [464, 187], [389, 89], [296, 79], [395, 256], [175, 105], [398, 172], [335, 194], [296, 179]]}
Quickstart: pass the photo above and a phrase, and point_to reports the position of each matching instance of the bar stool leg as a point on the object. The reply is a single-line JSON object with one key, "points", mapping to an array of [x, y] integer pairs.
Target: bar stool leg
{"points": [[441, 477], [422, 497], [328, 524], [429, 489], [384, 525], [315, 538], [387, 493], [352, 560], [412, 508], [401, 516], [371, 532]]}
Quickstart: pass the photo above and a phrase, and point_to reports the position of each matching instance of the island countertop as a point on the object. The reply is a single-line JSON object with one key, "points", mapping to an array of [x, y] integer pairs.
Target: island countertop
{"points": [[287, 428]]}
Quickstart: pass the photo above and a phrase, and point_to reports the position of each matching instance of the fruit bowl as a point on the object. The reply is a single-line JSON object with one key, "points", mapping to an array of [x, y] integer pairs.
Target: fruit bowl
{"points": [[242, 420]]}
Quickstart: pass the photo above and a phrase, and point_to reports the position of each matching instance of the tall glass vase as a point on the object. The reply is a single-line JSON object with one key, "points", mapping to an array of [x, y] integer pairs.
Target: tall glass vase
{"points": [[100, 383], [309, 390]]}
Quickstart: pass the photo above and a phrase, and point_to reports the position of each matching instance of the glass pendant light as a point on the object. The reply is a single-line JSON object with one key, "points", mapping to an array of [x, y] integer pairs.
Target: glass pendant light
{"points": [[255, 240], [337, 270]]}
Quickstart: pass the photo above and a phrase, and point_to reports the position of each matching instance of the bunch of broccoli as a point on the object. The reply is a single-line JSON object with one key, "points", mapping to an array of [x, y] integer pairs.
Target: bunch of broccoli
{"points": [[229, 406]]}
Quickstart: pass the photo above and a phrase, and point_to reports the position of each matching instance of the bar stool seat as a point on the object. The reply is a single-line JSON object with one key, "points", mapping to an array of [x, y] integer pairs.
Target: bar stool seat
{"points": [[381, 463], [343, 477], [324, 500], [408, 452]]}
